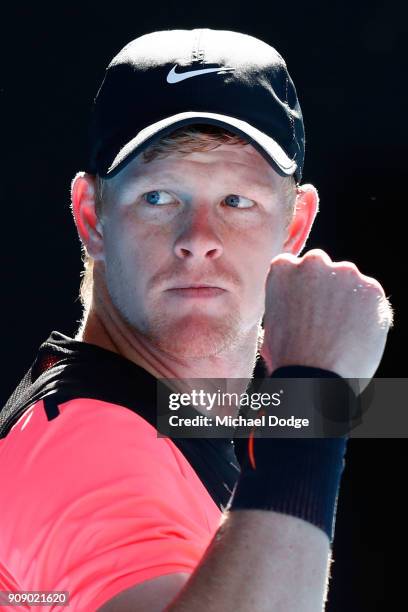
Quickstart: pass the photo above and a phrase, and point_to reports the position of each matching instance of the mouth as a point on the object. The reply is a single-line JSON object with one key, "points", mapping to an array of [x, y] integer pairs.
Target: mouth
{"points": [[197, 291], [197, 286]]}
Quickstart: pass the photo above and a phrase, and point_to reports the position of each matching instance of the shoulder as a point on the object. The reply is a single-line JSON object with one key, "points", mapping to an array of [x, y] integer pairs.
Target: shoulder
{"points": [[80, 433], [95, 451]]}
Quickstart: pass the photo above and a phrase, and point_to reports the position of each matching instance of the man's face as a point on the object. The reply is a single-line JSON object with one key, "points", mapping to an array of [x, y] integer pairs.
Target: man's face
{"points": [[214, 218]]}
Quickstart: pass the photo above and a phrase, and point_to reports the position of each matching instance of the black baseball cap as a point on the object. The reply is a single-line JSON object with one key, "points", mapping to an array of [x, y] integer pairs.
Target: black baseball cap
{"points": [[165, 80]]}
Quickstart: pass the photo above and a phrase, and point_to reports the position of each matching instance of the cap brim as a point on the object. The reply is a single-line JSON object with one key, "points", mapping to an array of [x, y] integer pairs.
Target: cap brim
{"points": [[266, 146]]}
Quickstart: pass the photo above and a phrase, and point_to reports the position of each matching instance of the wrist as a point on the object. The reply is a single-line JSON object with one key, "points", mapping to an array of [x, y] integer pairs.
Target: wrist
{"points": [[299, 477]]}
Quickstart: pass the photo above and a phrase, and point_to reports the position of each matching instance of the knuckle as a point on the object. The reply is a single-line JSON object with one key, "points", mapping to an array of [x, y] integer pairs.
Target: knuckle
{"points": [[347, 266], [284, 259], [316, 255], [373, 286], [316, 251]]}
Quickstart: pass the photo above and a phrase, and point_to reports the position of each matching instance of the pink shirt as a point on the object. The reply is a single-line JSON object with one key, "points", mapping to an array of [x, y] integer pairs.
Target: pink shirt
{"points": [[93, 502]]}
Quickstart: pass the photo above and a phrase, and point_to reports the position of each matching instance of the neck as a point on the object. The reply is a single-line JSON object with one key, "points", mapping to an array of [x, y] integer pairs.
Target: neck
{"points": [[104, 327]]}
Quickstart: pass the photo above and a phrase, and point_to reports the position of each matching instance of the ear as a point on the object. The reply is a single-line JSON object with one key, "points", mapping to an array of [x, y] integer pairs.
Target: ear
{"points": [[83, 204], [306, 209]]}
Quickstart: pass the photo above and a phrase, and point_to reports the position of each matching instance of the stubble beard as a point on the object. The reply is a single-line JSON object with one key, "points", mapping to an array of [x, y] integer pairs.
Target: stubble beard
{"points": [[195, 335]]}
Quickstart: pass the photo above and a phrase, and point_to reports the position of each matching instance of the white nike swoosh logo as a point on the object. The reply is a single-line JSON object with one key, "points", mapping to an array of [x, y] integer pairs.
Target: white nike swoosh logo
{"points": [[175, 77]]}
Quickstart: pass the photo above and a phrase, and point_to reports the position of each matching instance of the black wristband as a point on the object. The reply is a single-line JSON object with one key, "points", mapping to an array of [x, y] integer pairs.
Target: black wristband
{"points": [[296, 476]]}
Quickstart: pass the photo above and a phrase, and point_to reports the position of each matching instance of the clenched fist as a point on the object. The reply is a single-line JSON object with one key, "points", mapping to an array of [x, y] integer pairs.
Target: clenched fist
{"points": [[324, 314]]}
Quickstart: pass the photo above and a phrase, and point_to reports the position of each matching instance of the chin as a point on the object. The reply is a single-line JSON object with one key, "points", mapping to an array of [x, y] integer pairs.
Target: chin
{"points": [[195, 337]]}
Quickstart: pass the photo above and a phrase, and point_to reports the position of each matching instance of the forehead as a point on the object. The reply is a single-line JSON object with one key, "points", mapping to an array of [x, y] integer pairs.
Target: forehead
{"points": [[240, 164]]}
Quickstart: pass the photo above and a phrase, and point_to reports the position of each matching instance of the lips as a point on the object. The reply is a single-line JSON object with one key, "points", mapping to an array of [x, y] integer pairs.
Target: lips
{"points": [[196, 286], [197, 292]]}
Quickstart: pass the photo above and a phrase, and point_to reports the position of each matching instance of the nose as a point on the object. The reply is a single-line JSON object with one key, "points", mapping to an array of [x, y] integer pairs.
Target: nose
{"points": [[198, 238]]}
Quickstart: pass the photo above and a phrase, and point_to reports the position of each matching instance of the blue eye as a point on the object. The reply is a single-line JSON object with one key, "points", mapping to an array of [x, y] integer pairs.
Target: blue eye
{"points": [[157, 197], [234, 201]]}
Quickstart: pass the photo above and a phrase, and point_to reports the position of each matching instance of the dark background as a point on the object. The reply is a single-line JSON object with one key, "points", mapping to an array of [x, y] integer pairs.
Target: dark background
{"points": [[348, 60]]}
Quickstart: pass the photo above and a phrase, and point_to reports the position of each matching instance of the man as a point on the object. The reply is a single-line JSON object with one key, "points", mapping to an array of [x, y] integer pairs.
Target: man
{"points": [[191, 216]]}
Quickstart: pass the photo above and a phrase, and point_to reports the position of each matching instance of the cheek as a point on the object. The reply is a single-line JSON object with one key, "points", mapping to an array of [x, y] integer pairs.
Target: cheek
{"points": [[258, 245], [256, 252], [131, 247]]}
